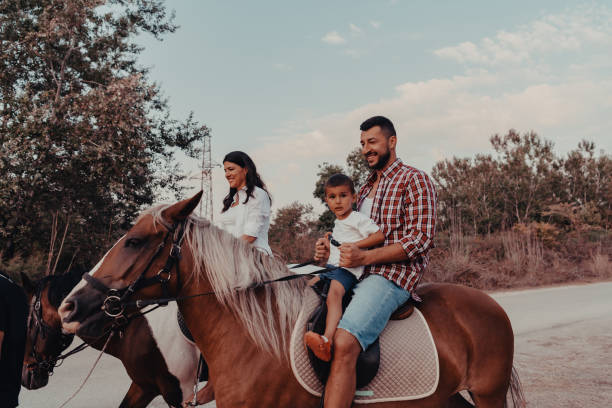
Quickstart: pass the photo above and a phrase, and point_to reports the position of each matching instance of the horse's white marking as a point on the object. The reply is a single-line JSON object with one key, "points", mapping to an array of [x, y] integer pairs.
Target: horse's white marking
{"points": [[180, 354], [72, 327]]}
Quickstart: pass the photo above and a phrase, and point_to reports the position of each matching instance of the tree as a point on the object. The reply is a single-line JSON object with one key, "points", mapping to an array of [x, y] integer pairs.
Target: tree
{"points": [[85, 136], [530, 177], [326, 170], [293, 232], [490, 193], [587, 181], [356, 168]]}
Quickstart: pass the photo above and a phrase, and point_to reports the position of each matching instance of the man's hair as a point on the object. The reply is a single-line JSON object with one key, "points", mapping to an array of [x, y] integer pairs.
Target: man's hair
{"points": [[338, 180], [385, 125]]}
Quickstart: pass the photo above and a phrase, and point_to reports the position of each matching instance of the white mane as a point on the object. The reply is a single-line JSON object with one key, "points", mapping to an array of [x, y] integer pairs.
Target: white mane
{"points": [[231, 263]]}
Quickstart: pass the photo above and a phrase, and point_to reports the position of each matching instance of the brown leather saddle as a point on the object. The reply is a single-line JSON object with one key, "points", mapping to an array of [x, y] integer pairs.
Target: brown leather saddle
{"points": [[369, 359]]}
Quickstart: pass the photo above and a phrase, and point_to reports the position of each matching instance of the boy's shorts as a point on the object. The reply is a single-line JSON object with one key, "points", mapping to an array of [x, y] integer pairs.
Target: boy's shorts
{"points": [[346, 278]]}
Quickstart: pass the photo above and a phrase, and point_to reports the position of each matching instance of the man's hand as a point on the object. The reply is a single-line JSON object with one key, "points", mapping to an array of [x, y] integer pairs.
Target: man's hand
{"points": [[322, 249], [351, 256]]}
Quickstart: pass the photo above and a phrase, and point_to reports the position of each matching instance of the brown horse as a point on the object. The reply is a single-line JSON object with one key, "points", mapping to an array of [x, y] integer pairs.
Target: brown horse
{"points": [[243, 332], [142, 353]]}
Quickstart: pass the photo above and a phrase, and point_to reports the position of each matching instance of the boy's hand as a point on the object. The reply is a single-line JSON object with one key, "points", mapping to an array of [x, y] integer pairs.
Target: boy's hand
{"points": [[351, 256], [322, 248]]}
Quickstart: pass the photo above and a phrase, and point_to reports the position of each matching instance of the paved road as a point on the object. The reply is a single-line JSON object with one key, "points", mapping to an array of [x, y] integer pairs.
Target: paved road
{"points": [[545, 321]]}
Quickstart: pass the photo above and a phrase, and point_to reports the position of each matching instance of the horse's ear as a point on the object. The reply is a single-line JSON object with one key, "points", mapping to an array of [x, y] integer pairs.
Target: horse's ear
{"points": [[27, 284], [181, 210]]}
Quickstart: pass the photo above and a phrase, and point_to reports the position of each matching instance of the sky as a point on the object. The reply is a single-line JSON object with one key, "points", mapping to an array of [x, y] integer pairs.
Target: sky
{"points": [[289, 82]]}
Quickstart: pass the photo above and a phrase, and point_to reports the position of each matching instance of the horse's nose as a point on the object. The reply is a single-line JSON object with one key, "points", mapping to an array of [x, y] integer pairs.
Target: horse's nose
{"points": [[68, 310]]}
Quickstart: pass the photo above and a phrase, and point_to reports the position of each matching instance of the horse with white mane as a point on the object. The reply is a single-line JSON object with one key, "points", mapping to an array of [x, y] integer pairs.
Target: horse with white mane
{"points": [[243, 332]]}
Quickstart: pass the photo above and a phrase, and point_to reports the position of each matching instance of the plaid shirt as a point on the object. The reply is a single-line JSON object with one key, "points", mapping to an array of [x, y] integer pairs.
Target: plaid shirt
{"points": [[404, 208]]}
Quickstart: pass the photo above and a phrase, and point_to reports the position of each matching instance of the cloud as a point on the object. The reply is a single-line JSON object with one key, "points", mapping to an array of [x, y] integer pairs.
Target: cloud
{"points": [[375, 24], [562, 98], [333, 38], [355, 29], [353, 53], [282, 67], [554, 34]]}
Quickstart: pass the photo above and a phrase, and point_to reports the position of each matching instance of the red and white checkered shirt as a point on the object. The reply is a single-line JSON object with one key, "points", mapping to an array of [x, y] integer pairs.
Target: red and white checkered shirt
{"points": [[404, 208]]}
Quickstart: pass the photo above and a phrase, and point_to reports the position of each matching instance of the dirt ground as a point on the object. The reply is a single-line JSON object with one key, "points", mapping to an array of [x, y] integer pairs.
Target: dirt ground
{"points": [[567, 366]]}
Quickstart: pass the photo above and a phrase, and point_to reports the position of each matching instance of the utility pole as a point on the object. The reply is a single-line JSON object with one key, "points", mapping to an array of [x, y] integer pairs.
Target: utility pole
{"points": [[206, 204]]}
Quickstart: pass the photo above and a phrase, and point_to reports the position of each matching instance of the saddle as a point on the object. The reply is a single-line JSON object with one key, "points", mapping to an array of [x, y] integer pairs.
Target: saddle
{"points": [[368, 360]]}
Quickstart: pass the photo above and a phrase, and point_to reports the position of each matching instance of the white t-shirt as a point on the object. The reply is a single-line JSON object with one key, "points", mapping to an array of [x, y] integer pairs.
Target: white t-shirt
{"points": [[355, 227], [252, 218], [366, 206]]}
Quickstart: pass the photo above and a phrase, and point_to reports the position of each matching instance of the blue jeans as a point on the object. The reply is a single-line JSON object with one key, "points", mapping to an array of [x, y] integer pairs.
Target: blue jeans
{"points": [[373, 303]]}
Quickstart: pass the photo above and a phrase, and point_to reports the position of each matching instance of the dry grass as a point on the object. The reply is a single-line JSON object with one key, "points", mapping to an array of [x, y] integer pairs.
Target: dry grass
{"points": [[512, 259]]}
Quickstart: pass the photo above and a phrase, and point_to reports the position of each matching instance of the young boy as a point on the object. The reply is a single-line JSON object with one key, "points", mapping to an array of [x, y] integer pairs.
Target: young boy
{"points": [[350, 226]]}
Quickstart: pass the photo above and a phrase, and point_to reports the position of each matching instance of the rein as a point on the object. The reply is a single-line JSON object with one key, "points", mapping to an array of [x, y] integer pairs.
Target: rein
{"points": [[117, 300]]}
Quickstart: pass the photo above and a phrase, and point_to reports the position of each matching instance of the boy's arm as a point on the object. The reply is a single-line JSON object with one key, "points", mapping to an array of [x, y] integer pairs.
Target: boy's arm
{"points": [[371, 240]]}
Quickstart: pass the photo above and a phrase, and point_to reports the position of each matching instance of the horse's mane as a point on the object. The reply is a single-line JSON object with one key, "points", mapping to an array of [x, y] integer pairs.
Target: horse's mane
{"points": [[267, 313], [60, 285]]}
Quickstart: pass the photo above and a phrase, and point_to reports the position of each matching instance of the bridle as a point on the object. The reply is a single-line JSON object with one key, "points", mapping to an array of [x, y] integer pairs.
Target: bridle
{"points": [[42, 329], [117, 300]]}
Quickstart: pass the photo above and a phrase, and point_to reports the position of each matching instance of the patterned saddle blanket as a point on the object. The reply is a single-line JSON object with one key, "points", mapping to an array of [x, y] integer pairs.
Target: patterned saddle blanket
{"points": [[409, 367]]}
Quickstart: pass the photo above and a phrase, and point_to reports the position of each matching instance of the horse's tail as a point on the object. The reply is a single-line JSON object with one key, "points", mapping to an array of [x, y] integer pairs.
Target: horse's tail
{"points": [[516, 391]]}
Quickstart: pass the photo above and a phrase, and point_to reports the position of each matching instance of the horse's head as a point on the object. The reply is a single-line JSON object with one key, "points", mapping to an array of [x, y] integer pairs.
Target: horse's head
{"points": [[45, 339], [143, 264]]}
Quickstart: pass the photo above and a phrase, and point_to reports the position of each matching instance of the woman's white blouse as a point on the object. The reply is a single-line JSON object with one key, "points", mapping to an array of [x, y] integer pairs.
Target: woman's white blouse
{"points": [[252, 218]]}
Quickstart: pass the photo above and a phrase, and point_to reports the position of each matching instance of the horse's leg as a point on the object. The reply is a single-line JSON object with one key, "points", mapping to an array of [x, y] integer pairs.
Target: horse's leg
{"points": [[137, 397]]}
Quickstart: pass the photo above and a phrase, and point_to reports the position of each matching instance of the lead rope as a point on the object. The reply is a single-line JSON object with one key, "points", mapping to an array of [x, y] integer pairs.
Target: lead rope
{"points": [[90, 371]]}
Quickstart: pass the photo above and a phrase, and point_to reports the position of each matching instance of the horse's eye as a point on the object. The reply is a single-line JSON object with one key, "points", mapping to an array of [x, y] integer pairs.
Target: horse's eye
{"points": [[133, 242]]}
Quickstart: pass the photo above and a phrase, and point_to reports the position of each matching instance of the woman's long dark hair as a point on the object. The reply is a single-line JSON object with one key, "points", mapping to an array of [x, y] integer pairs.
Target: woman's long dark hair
{"points": [[252, 177]]}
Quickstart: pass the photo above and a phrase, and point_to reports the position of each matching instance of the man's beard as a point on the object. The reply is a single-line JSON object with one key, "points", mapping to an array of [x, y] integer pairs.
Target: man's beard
{"points": [[382, 161]]}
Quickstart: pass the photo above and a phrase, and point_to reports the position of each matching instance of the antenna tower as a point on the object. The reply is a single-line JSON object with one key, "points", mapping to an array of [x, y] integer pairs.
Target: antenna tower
{"points": [[206, 204]]}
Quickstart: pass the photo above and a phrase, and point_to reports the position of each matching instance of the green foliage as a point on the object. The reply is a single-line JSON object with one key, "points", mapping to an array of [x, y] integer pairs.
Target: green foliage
{"points": [[85, 136], [357, 169], [326, 170], [293, 232], [524, 183]]}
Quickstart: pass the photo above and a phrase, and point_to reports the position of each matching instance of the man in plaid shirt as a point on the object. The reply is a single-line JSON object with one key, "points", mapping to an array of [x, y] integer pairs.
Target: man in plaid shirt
{"points": [[402, 201]]}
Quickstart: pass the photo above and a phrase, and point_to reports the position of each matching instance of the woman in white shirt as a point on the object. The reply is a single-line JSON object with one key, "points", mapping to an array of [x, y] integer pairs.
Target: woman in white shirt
{"points": [[246, 208]]}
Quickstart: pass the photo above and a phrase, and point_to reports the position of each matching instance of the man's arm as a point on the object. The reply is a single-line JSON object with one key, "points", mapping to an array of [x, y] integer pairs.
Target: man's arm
{"points": [[351, 256], [420, 197], [1, 339]]}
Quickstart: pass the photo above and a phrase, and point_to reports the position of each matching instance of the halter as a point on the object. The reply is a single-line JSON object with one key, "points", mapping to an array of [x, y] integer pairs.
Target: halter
{"points": [[117, 299], [41, 328]]}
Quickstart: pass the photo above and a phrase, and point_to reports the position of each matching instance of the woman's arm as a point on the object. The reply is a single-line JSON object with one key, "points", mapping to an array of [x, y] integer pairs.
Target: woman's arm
{"points": [[257, 215]]}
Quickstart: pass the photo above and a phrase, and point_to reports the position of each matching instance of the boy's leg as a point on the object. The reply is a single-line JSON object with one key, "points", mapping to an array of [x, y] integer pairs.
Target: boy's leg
{"points": [[334, 308]]}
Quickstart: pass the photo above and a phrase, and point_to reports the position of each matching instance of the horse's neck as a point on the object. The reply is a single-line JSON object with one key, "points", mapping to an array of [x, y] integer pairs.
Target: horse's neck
{"points": [[237, 366]]}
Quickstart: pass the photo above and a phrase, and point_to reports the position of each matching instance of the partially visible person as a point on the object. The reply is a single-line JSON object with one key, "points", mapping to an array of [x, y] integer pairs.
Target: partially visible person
{"points": [[245, 215], [246, 208], [13, 320], [350, 227]]}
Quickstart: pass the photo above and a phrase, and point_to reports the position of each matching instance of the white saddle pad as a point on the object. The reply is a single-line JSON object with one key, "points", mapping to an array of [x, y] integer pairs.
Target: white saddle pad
{"points": [[408, 369]]}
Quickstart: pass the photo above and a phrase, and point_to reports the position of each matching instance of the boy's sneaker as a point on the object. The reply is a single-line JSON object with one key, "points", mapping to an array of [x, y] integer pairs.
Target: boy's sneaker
{"points": [[320, 345]]}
